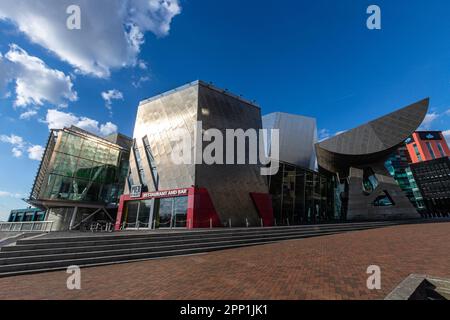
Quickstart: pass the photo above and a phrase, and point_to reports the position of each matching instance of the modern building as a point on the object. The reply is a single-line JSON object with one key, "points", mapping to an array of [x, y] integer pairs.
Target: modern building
{"points": [[300, 195], [358, 158], [27, 215], [176, 172], [433, 180], [164, 194], [298, 136], [303, 196], [81, 178], [398, 165], [427, 145]]}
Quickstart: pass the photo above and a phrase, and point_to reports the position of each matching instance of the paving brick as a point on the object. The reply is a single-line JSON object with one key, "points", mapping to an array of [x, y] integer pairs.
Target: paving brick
{"points": [[330, 267]]}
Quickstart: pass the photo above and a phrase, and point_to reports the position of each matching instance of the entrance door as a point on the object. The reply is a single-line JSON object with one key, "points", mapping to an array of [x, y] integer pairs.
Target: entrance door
{"points": [[139, 214], [173, 212]]}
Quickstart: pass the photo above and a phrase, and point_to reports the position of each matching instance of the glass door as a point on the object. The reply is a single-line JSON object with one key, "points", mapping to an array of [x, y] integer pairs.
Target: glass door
{"points": [[139, 214], [165, 212], [180, 212], [132, 214], [173, 212]]}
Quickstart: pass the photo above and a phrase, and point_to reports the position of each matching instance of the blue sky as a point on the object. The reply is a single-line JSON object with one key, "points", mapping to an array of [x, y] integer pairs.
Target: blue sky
{"points": [[315, 58]]}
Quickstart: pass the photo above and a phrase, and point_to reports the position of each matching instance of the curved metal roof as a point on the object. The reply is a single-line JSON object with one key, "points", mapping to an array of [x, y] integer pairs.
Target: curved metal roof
{"points": [[372, 140]]}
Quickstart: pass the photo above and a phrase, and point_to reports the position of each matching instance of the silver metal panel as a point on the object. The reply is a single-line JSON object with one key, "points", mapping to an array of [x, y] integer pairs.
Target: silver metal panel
{"points": [[158, 119], [298, 135], [229, 185]]}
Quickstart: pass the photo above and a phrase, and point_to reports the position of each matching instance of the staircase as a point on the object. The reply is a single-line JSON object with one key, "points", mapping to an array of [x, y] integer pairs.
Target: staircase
{"points": [[51, 254]]}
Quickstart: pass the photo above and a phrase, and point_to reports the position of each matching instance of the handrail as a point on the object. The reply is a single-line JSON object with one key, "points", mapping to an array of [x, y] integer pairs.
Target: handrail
{"points": [[29, 226]]}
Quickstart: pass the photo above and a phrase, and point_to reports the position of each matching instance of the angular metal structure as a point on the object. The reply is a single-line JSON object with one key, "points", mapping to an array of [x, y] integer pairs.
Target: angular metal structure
{"points": [[298, 135], [216, 194], [358, 156]]}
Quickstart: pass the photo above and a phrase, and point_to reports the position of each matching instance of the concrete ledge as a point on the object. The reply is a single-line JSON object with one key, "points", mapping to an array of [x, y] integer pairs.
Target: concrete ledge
{"points": [[421, 287]]}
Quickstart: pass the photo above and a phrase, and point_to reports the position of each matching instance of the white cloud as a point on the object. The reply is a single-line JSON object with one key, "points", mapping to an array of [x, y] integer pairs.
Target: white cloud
{"points": [[17, 152], [446, 134], [20, 146], [108, 128], [111, 35], [6, 194], [28, 114], [324, 134], [429, 119], [35, 82], [12, 139], [56, 119], [36, 152], [111, 95], [138, 84]]}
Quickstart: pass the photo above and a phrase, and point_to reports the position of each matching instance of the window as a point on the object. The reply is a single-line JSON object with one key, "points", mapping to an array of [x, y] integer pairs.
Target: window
{"points": [[152, 163], [441, 150], [416, 150], [430, 150], [370, 181], [384, 200], [139, 165]]}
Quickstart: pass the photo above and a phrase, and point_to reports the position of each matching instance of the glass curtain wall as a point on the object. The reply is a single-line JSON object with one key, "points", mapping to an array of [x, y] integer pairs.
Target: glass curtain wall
{"points": [[84, 169], [301, 196]]}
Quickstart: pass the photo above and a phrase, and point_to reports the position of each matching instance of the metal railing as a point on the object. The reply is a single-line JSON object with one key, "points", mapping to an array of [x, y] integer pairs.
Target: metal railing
{"points": [[37, 226]]}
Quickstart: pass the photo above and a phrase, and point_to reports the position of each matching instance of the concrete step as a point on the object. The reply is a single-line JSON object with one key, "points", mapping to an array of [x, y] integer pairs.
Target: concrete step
{"points": [[164, 248], [39, 256], [145, 234], [148, 238], [84, 247], [16, 269]]}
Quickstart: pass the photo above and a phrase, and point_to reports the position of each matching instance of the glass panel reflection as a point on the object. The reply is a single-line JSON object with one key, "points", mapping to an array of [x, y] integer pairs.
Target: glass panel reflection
{"points": [[302, 196]]}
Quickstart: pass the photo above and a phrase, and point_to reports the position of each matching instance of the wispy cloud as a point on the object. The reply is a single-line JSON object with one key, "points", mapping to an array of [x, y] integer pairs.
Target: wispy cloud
{"points": [[109, 96], [35, 83], [56, 119], [112, 31], [20, 146], [6, 194]]}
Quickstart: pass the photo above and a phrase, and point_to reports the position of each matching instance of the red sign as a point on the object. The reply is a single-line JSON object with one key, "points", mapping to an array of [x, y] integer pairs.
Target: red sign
{"points": [[166, 194]]}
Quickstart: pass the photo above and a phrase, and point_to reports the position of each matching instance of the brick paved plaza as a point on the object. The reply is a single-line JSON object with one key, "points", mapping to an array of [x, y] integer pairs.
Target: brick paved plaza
{"points": [[330, 267]]}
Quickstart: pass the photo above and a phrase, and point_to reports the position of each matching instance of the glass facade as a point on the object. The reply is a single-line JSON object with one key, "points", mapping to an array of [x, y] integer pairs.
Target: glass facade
{"points": [[26, 215], [399, 168], [85, 169], [301, 196], [416, 150], [430, 150], [157, 213]]}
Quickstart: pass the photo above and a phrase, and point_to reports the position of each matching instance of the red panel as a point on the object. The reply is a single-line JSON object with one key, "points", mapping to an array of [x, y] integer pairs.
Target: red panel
{"points": [[204, 213], [123, 198], [201, 212], [263, 203]]}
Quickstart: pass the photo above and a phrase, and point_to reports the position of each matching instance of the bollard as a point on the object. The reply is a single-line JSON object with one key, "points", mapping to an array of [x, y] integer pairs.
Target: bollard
{"points": [[288, 222], [229, 222], [262, 223], [210, 223], [246, 222]]}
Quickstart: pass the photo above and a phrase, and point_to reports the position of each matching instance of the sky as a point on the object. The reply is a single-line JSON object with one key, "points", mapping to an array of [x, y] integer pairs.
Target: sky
{"points": [[310, 57]]}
